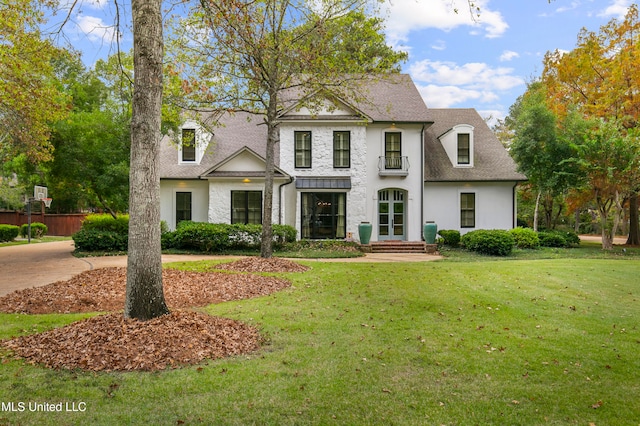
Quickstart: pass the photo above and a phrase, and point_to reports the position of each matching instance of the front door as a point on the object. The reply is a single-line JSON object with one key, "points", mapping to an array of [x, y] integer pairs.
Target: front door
{"points": [[391, 214]]}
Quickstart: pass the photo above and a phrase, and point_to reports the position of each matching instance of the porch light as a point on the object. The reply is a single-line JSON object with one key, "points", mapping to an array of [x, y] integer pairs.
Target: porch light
{"points": [[246, 180]]}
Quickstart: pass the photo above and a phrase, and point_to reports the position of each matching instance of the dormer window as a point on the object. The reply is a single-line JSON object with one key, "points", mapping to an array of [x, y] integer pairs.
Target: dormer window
{"points": [[188, 145], [458, 144], [464, 148]]}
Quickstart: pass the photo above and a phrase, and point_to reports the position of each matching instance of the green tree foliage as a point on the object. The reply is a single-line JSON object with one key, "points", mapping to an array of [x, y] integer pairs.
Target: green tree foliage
{"points": [[541, 151], [600, 78], [90, 164], [608, 160], [29, 98]]}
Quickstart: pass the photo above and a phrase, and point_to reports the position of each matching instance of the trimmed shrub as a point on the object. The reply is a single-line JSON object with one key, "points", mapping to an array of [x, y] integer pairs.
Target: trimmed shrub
{"points": [[495, 242], [38, 230], [525, 238], [284, 234], [450, 237], [97, 240], [572, 238], [220, 237], [106, 222], [8, 232], [552, 239], [564, 239]]}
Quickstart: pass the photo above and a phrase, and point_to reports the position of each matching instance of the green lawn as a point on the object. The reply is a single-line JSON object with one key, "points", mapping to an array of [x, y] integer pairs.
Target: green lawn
{"points": [[544, 341]]}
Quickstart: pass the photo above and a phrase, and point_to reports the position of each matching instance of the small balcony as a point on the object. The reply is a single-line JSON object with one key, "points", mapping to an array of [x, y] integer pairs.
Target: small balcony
{"points": [[393, 166]]}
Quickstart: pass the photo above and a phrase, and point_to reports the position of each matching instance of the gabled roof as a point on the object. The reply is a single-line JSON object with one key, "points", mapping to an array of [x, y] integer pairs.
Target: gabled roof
{"points": [[379, 98], [235, 131], [215, 172], [491, 161]]}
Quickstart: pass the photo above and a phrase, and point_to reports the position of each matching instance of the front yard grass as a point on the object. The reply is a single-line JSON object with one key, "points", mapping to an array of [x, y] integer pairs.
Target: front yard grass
{"points": [[544, 341]]}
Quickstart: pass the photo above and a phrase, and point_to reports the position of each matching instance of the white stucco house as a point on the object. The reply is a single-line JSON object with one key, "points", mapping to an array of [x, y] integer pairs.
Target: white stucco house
{"points": [[389, 161]]}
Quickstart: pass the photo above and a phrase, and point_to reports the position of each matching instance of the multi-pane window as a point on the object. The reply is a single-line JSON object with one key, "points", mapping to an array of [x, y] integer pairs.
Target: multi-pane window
{"points": [[246, 207], [183, 206], [341, 149], [464, 148], [324, 215], [188, 145], [393, 150], [467, 210], [302, 141]]}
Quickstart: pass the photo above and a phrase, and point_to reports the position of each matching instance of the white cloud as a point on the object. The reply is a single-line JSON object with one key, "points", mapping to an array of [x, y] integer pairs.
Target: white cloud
{"points": [[405, 16], [96, 29], [617, 9], [475, 75], [446, 96], [446, 84], [508, 55], [574, 5], [439, 45]]}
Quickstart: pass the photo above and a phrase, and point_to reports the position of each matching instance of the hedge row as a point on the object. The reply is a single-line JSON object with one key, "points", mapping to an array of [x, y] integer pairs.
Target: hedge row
{"points": [[221, 237], [104, 233], [8, 232], [501, 242]]}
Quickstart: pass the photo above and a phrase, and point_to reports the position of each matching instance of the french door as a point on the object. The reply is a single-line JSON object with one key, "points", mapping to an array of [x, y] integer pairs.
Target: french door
{"points": [[392, 214]]}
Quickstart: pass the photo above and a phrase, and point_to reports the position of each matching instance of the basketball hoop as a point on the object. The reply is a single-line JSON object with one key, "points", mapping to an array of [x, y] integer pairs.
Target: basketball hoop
{"points": [[47, 202]]}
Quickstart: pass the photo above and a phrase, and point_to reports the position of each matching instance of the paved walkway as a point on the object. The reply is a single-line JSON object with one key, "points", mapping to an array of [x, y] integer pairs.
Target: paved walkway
{"points": [[38, 264]]}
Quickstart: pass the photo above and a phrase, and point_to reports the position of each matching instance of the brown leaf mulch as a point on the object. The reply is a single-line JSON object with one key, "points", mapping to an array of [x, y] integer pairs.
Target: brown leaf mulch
{"points": [[274, 264], [112, 343], [103, 289]]}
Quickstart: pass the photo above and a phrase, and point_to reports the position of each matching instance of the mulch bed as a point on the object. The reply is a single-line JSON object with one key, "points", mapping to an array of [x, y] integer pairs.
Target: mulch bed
{"points": [[111, 342]]}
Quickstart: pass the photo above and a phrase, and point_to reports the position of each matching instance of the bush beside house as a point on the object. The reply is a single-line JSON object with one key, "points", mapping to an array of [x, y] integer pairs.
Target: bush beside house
{"points": [[108, 234], [221, 237], [495, 242], [525, 238]]}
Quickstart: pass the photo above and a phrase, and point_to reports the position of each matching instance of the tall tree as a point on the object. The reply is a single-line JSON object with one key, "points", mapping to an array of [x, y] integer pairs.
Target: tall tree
{"points": [[257, 56], [608, 158], [29, 98], [539, 150], [144, 293], [90, 164], [601, 77]]}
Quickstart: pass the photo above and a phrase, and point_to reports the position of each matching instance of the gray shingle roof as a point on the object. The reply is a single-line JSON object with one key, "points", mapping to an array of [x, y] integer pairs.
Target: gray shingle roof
{"points": [[236, 131], [491, 161], [381, 98]]}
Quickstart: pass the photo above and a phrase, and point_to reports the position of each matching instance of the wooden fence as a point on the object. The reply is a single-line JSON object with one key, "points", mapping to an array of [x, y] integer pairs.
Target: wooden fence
{"points": [[57, 224]]}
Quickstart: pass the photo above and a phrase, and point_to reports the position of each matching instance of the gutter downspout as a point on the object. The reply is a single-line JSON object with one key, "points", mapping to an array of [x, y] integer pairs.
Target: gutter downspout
{"points": [[291, 179], [514, 213], [422, 160]]}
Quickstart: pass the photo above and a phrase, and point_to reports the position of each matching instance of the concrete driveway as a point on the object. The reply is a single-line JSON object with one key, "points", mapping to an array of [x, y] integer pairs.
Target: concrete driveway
{"points": [[38, 264]]}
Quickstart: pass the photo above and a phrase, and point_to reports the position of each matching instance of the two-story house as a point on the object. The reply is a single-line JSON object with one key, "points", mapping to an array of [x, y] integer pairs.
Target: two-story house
{"points": [[387, 160]]}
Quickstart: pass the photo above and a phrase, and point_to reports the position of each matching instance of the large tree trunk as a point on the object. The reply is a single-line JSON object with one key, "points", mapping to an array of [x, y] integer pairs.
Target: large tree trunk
{"points": [[144, 294], [634, 232], [266, 246]]}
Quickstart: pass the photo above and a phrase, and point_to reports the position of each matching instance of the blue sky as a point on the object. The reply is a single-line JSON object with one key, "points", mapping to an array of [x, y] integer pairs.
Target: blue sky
{"points": [[454, 60]]}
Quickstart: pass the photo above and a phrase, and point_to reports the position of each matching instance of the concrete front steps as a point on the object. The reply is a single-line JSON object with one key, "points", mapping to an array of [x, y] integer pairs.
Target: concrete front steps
{"points": [[392, 246]]}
